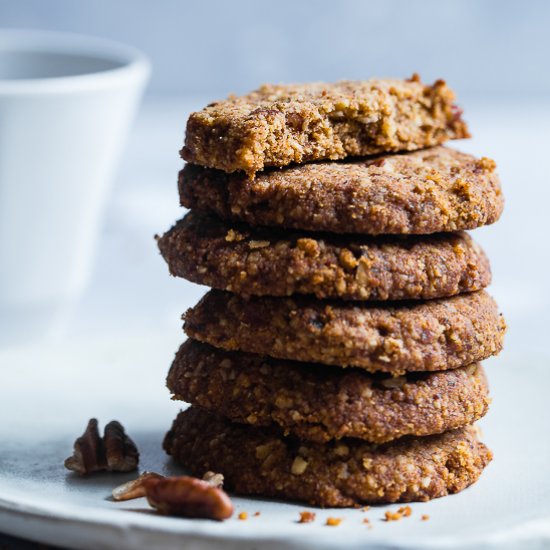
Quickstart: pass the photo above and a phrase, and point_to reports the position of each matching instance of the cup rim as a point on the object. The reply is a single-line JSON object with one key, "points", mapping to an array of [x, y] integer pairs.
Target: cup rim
{"points": [[132, 63]]}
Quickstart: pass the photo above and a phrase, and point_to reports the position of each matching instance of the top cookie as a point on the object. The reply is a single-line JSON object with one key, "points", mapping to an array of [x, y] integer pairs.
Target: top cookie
{"points": [[429, 191], [277, 125]]}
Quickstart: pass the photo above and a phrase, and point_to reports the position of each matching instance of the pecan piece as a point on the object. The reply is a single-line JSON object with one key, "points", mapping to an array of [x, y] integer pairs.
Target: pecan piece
{"points": [[88, 455], [115, 452], [216, 480], [133, 489], [187, 497], [120, 451], [136, 487]]}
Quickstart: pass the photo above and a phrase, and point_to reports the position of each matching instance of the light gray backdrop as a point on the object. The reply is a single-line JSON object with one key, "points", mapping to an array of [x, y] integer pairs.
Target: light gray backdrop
{"points": [[207, 46], [494, 53]]}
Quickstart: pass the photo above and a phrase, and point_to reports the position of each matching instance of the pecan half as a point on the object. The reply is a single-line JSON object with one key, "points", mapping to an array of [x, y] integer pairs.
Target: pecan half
{"points": [[115, 452], [120, 451], [187, 497], [88, 455]]}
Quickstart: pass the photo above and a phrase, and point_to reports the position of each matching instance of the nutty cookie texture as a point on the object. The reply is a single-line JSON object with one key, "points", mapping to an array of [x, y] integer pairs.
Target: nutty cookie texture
{"points": [[349, 472], [320, 403], [247, 261], [436, 335], [429, 191], [277, 125]]}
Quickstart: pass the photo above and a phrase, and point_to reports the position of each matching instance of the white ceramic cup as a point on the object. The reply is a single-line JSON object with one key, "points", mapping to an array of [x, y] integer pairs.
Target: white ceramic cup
{"points": [[66, 104]]}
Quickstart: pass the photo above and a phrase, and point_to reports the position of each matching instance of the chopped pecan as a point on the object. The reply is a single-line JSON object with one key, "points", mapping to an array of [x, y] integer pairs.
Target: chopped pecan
{"points": [[299, 466], [187, 497], [133, 489], [456, 111], [295, 121], [115, 452], [216, 480], [378, 162]]}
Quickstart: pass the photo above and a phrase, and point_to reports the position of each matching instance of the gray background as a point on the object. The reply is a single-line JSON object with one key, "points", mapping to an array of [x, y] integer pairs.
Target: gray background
{"points": [[494, 53], [481, 47]]}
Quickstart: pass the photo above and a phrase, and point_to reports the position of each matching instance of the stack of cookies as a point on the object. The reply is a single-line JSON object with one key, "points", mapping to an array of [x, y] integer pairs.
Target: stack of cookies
{"points": [[336, 361]]}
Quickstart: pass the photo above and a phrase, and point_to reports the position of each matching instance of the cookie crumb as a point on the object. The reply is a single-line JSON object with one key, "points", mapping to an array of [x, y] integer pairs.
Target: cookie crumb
{"points": [[402, 512], [406, 511], [306, 517], [334, 522], [243, 516], [425, 517], [256, 514], [393, 516], [367, 522]]}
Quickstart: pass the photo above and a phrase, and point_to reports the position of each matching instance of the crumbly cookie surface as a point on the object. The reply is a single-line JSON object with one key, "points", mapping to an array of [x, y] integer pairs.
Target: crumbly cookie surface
{"points": [[320, 403], [429, 191], [407, 337], [349, 472], [277, 125], [260, 261]]}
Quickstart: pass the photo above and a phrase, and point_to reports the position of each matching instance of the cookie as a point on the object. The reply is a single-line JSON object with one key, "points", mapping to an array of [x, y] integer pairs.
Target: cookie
{"points": [[429, 191], [277, 125], [436, 335], [256, 461], [320, 403], [259, 261]]}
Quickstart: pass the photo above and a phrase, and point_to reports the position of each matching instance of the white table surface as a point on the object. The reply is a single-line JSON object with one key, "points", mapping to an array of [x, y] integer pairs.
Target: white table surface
{"points": [[133, 304]]}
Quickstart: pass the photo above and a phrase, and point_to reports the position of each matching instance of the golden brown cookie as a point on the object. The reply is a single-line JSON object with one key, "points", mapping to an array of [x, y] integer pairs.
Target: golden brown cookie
{"points": [[258, 261], [413, 336], [320, 403], [277, 125], [349, 472], [429, 191]]}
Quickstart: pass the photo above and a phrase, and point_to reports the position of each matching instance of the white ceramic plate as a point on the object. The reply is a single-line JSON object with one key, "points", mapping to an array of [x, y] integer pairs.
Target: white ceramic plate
{"points": [[47, 395]]}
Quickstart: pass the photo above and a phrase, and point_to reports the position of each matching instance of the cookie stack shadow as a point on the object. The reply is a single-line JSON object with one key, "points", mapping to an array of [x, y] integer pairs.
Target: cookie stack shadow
{"points": [[337, 359]]}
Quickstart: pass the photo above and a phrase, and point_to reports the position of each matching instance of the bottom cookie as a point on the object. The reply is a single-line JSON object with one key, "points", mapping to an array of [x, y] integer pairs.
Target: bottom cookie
{"points": [[256, 461]]}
